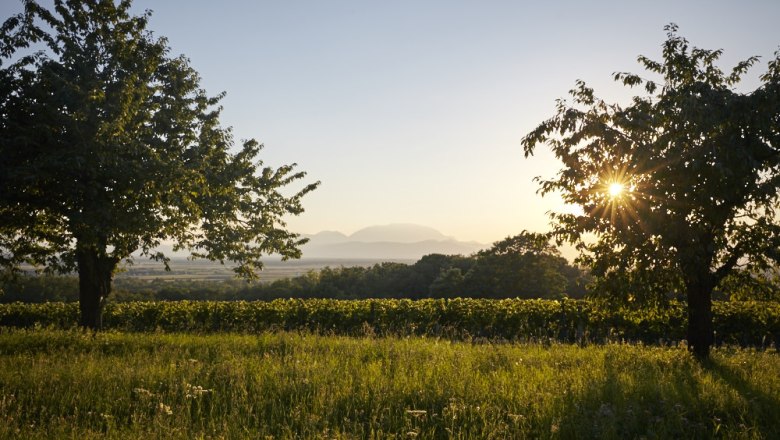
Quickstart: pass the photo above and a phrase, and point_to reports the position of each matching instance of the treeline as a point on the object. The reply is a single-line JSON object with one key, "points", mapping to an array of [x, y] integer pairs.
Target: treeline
{"points": [[523, 266]]}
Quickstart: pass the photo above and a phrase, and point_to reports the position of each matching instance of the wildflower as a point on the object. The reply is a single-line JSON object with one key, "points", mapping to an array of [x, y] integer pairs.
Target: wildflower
{"points": [[142, 392], [416, 412], [193, 392], [164, 409]]}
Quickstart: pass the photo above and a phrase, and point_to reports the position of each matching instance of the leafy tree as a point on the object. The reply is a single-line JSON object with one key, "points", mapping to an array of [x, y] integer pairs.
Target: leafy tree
{"points": [[38, 289], [430, 267], [680, 186], [525, 265], [386, 280], [108, 146], [448, 284]]}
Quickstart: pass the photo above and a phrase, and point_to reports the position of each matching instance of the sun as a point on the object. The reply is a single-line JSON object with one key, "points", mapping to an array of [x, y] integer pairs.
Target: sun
{"points": [[616, 189]]}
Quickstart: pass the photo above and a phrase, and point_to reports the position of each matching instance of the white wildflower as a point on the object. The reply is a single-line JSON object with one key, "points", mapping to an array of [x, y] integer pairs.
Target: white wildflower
{"points": [[164, 409]]}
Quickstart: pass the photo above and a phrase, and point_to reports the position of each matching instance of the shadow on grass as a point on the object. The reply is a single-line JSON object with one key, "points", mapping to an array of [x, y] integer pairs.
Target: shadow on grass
{"points": [[653, 397], [762, 406]]}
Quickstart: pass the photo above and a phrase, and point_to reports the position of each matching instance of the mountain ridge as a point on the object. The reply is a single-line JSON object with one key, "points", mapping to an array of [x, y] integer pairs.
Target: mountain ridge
{"points": [[392, 241]]}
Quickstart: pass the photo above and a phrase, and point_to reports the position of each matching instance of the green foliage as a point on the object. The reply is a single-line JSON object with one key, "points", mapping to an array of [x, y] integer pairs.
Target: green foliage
{"points": [[525, 266], [448, 284], [109, 141], [699, 161], [434, 276], [428, 269], [382, 280], [743, 285], [109, 146], [42, 288], [749, 323], [56, 384], [699, 164]]}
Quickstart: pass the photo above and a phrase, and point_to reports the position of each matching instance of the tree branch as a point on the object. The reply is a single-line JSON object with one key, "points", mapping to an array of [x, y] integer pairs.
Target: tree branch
{"points": [[731, 262]]}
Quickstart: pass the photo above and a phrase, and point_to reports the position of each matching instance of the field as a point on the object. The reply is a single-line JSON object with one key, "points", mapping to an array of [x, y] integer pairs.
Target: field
{"points": [[205, 270], [68, 384]]}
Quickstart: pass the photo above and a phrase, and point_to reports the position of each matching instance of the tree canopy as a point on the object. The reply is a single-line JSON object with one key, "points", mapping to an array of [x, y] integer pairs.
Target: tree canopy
{"points": [[109, 146], [679, 187], [525, 265]]}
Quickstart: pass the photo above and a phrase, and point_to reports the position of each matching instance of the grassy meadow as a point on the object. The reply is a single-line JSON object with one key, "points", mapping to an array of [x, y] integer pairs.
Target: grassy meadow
{"points": [[68, 384]]}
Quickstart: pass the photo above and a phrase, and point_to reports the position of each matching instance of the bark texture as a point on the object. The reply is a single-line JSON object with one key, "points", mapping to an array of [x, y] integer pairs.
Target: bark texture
{"points": [[96, 271], [700, 329]]}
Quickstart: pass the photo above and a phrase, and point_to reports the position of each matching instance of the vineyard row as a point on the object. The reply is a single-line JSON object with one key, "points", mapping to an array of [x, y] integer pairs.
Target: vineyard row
{"points": [[748, 323]]}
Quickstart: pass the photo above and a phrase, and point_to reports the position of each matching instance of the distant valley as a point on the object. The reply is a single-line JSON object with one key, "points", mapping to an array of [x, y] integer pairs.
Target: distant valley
{"points": [[402, 243], [392, 242]]}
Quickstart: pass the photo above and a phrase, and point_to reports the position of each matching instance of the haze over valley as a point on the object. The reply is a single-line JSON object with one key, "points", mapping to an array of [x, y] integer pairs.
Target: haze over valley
{"points": [[400, 241]]}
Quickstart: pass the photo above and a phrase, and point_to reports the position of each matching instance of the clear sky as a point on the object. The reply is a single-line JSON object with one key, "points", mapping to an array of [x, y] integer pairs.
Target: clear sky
{"points": [[413, 111]]}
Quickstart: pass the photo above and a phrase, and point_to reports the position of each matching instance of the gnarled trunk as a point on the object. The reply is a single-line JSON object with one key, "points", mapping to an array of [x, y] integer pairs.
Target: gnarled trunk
{"points": [[96, 270], [700, 329]]}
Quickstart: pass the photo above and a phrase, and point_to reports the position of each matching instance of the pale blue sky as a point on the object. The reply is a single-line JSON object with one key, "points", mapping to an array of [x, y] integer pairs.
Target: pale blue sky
{"points": [[413, 111]]}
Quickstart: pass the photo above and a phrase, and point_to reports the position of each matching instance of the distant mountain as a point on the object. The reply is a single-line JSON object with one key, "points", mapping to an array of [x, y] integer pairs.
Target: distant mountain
{"points": [[389, 250], [393, 242], [327, 237], [398, 233], [386, 242]]}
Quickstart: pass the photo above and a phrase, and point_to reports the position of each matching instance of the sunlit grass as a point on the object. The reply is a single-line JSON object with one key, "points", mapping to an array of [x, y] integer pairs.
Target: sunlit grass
{"points": [[57, 384]]}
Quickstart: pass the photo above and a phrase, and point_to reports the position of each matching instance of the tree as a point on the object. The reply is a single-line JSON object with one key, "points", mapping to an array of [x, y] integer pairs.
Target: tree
{"points": [[448, 284], [429, 268], [680, 186], [525, 265], [109, 146]]}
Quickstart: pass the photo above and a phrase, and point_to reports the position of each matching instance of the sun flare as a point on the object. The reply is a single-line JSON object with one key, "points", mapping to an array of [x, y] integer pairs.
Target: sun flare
{"points": [[616, 189]]}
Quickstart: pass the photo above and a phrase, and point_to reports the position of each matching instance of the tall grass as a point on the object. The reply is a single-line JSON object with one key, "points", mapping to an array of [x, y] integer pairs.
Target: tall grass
{"points": [[61, 384]]}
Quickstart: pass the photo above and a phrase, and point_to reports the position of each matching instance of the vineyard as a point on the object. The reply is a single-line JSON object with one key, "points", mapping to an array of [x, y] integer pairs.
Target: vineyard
{"points": [[751, 323]]}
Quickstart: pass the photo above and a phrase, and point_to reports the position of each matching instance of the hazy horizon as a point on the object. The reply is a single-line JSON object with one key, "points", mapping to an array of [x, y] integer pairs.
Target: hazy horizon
{"points": [[413, 112]]}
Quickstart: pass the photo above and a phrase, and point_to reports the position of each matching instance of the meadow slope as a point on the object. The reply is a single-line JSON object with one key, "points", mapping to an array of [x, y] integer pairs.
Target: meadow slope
{"points": [[67, 384]]}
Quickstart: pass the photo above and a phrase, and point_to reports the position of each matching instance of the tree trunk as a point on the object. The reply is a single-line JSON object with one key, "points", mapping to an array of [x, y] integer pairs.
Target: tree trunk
{"points": [[700, 330], [95, 273]]}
